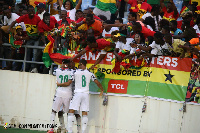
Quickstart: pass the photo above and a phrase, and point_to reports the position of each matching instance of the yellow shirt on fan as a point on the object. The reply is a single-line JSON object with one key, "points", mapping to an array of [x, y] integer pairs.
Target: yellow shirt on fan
{"points": [[53, 7]]}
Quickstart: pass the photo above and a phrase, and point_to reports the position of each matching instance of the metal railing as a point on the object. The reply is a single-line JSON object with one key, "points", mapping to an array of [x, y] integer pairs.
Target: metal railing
{"points": [[25, 54]]}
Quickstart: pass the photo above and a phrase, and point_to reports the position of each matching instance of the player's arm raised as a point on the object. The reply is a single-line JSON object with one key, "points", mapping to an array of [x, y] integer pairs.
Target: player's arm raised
{"points": [[65, 84], [100, 86]]}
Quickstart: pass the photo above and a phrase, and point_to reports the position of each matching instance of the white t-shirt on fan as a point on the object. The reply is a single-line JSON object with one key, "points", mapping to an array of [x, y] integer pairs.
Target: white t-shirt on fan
{"points": [[149, 15], [157, 49], [105, 33], [126, 46], [7, 21], [70, 13]]}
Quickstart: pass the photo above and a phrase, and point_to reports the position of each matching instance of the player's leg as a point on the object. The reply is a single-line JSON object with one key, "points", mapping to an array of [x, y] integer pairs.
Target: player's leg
{"points": [[70, 121], [74, 105], [53, 115], [61, 120], [52, 119], [84, 121], [66, 102], [84, 108], [78, 120], [55, 108]]}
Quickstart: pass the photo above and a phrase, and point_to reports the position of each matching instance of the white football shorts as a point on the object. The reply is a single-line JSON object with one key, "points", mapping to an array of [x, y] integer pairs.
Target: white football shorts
{"points": [[60, 103], [80, 100]]}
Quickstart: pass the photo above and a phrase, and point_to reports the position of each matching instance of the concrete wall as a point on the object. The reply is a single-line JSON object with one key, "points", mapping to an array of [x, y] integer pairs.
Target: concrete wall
{"points": [[26, 98]]}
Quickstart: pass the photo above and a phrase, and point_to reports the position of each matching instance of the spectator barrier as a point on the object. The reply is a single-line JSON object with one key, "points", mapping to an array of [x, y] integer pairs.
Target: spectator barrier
{"points": [[24, 61], [26, 98]]}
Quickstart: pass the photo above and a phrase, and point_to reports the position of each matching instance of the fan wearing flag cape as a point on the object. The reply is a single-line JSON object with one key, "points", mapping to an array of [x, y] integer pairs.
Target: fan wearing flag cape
{"points": [[49, 56]]}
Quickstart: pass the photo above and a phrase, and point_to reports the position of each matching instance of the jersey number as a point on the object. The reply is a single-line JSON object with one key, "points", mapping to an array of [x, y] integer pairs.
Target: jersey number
{"points": [[65, 78], [83, 81]]}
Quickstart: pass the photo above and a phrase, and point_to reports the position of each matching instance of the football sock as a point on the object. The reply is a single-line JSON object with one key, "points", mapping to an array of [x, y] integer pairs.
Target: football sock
{"points": [[61, 120], [70, 122], [52, 119], [84, 123], [78, 120]]}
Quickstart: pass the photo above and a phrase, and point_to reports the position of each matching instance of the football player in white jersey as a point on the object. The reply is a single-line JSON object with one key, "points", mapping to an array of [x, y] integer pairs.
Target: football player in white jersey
{"points": [[82, 79], [62, 96], [78, 117]]}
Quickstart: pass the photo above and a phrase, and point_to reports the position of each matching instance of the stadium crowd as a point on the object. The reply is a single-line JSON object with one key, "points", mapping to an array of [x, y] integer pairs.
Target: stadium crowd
{"points": [[151, 30]]}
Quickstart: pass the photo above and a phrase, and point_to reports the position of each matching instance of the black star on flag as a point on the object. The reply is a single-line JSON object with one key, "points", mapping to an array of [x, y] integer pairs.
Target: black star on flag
{"points": [[169, 77], [31, 31]]}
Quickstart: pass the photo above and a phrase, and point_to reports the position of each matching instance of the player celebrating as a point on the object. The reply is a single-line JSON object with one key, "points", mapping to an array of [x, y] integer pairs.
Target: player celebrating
{"points": [[81, 97], [78, 117], [63, 95]]}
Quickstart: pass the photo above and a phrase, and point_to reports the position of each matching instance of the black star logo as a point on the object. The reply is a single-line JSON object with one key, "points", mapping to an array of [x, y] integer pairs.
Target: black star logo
{"points": [[31, 31], [169, 77]]}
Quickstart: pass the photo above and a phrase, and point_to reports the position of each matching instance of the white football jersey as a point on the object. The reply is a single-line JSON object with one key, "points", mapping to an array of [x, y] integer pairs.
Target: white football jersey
{"points": [[61, 77], [82, 80]]}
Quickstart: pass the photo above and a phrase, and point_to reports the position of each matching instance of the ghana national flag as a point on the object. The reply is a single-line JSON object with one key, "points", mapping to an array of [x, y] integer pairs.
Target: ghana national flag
{"points": [[104, 5], [165, 77], [49, 57], [48, 51], [13, 42], [184, 9]]}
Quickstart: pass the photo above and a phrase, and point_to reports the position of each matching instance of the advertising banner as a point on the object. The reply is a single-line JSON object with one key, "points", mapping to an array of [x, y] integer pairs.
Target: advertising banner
{"points": [[164, 77]]}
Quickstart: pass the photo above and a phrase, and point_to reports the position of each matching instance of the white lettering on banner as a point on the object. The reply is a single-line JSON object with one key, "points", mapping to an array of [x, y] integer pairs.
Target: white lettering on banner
{"points": [[91, 55], [162, 60], [84, 57], [113, 85], [117, 86], [167, 61], [174, 60], [152, 60], [109, 57], [159, 60], [122, 87], [98, 56]]}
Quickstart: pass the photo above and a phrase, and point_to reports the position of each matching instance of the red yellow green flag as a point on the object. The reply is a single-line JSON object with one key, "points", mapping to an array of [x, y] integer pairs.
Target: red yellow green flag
{"points": [[49, 57]]}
